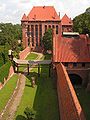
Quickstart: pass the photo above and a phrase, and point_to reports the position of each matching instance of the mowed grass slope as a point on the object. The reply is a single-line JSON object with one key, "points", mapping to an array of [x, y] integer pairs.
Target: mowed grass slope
{"points": [[7, 90]]}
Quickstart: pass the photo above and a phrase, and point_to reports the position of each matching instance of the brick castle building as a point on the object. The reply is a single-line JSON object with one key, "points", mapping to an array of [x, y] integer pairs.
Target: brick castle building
{"points": [[35, 24], [70, 48]]}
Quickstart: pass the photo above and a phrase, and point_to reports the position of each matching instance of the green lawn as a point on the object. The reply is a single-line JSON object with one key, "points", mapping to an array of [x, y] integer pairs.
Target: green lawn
{"points": [[42, 98], [7, 91], [31, 56], [84, 98]]}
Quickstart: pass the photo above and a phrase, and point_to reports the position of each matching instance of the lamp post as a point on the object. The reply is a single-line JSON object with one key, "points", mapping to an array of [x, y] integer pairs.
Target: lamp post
{"points": [[10, 55]]}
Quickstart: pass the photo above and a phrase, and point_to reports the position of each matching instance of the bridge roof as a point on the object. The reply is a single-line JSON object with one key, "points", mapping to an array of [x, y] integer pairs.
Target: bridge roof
{"points": [[31, 62]]}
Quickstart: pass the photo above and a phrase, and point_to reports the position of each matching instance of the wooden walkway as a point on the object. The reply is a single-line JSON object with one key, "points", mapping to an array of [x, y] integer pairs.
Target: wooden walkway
{"points": [[29, 64]]}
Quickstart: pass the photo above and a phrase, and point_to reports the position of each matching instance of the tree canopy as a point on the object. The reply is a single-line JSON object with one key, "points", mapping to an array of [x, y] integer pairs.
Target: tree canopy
{"points": [[82, 22], [9, 33], [47, 40], [9, 36]]}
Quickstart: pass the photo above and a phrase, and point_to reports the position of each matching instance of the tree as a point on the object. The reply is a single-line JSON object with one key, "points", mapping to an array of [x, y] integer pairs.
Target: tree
{"points": [[82, 23], [9, 36], [30, 113], [47, 40]]}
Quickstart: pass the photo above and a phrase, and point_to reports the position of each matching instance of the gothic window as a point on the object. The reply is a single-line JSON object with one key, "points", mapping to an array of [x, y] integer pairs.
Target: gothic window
{"points": [[45, 28], [40, 34], [56, 29], [66, 64], [74, 64], [83, 64], [32, 34], [49, 26], [36, 34], [53, 26]]}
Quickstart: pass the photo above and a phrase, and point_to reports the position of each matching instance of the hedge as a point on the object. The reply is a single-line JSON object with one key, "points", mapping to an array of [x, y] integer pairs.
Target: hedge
{"points": [[4, 71]]}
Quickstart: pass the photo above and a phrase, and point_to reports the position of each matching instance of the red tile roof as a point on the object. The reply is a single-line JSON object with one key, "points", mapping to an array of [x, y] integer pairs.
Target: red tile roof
{"points": [[72, 50], [43, 13], [66, 20], [24, 18]]}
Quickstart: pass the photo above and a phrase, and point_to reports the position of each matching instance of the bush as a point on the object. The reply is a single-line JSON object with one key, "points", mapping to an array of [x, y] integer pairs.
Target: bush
{"points": [[30, 113], [4, 71]]}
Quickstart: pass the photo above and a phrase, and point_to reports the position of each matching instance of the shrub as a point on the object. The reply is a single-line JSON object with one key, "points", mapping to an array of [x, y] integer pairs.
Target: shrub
{"points": [[4, 71], [30, 113]]}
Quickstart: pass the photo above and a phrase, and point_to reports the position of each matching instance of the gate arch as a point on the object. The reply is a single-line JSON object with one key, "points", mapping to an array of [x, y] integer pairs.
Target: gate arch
{"points": [[75, 79]]}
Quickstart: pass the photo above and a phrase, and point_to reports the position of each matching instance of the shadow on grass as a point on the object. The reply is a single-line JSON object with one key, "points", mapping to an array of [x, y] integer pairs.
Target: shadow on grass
{"points": [[45, 102]]}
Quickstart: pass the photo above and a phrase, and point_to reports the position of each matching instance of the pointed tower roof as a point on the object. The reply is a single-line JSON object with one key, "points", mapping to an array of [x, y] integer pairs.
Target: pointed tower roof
{"points": [[66, 20], [24, 18]]}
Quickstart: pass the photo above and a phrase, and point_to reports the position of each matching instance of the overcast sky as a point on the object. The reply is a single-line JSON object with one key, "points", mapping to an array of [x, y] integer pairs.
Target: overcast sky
{"points": [[12, 10]]}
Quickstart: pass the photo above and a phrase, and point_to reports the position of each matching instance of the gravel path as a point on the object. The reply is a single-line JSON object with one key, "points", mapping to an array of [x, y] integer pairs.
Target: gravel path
{"points": [[13, 103]]}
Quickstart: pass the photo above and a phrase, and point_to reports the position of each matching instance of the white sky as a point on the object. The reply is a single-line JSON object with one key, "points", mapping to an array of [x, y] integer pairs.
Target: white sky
{"points": [[12, 10]]}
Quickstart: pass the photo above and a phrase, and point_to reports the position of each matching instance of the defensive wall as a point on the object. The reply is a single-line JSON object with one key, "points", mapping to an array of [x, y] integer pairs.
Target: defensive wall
{"points": [[69, 105], [23, 54]]}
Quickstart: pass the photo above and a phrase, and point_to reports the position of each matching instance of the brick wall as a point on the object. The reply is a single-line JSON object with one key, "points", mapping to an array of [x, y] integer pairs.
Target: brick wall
{"points": [[70, 108], [11, 72], [23, 54]]}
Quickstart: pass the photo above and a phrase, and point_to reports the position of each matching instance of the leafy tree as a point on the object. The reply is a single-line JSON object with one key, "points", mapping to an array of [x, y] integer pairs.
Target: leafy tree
{"points": [[9, 36], [47, 40], [88, 10], [82, 23], [30, 113], [9, 32]]}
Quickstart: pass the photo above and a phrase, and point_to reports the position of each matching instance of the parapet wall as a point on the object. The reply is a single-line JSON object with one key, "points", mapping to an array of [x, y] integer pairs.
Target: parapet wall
{"points": [[23, 54], [69, 106]]}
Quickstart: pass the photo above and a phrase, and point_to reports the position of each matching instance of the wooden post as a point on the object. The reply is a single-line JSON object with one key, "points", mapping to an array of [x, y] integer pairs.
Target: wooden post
{"points": [[14, 66], [28, 68], [17, 68], [38, 70]]}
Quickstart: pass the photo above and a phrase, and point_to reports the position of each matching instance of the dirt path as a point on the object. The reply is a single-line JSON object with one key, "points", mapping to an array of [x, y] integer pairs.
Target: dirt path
{"points": [[11, 107]]}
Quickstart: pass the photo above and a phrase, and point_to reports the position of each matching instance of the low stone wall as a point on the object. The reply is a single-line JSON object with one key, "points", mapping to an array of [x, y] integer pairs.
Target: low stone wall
{"points": [[23, 54], [69, 106]]}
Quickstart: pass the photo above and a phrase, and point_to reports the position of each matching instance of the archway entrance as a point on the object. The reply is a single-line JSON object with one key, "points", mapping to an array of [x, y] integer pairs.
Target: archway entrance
{"points": [[75, 79]]}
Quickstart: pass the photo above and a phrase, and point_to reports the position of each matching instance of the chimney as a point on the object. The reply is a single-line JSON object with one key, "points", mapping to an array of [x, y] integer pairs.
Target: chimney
{"points": [[59, 14], [44, 6], [34, 17]]}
